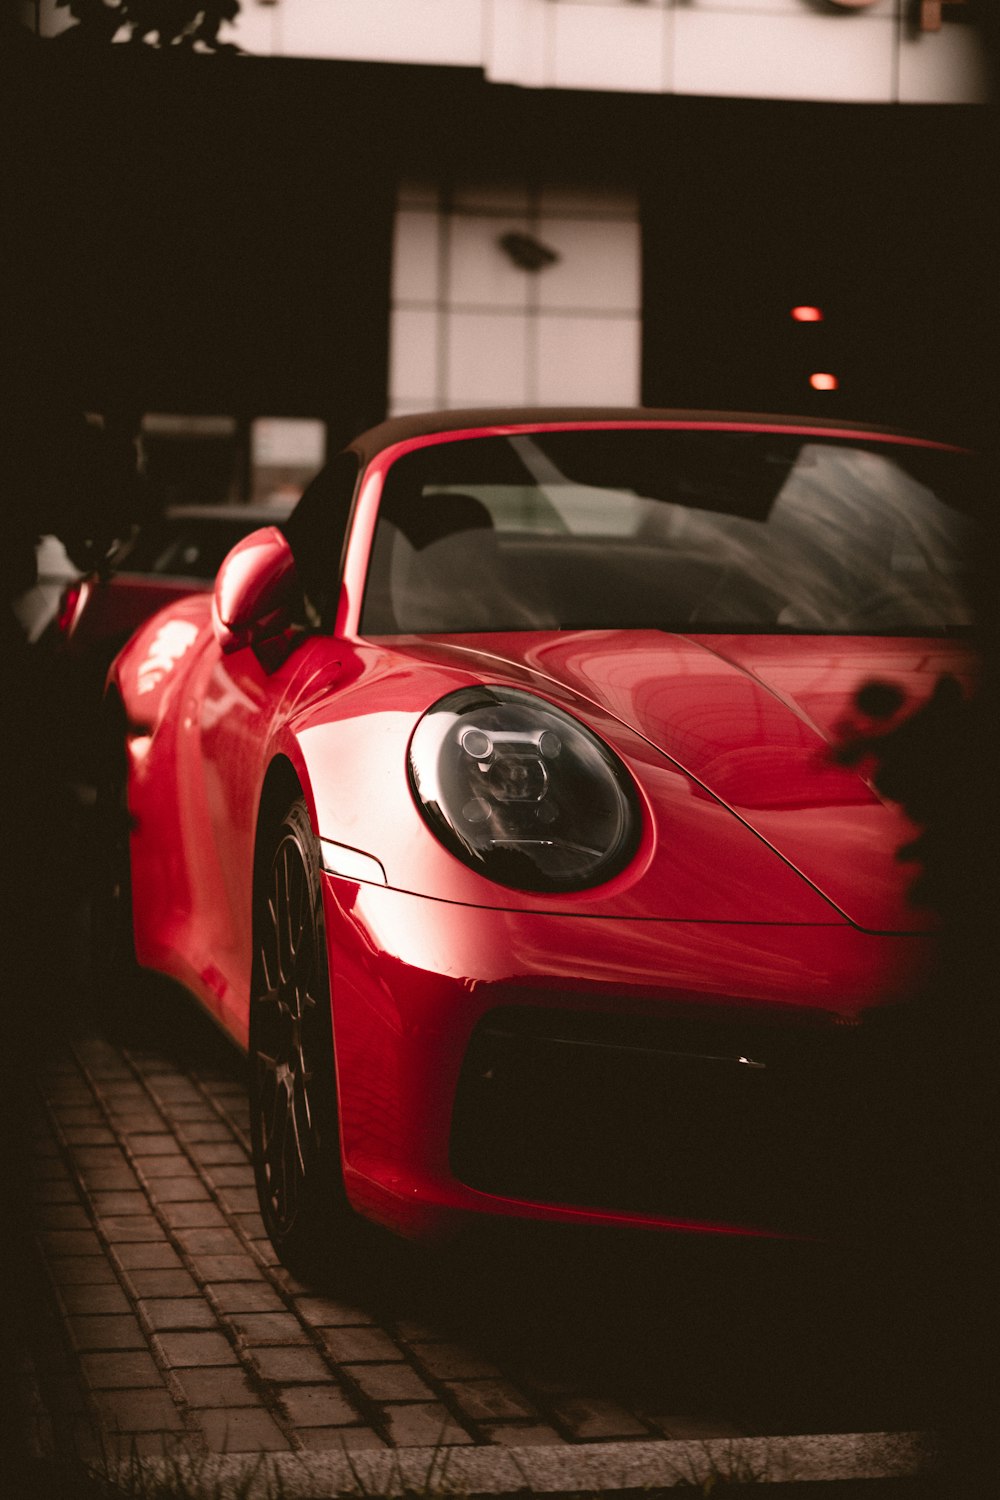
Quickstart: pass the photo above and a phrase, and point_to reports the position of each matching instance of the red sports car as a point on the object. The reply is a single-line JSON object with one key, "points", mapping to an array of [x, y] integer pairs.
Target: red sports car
{"points": [[492, 808]]}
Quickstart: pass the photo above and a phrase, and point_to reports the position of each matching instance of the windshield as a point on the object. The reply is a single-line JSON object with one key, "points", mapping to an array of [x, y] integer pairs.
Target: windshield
{"points": [[679, 530]]}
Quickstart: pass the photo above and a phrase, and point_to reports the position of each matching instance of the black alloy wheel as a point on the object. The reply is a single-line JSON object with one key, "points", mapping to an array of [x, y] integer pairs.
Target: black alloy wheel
{"points": [[293, 1106]]}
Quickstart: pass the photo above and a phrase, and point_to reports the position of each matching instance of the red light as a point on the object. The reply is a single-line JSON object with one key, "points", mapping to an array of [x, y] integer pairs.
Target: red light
{"points": [[67, 607], [807, 314], [823, 382]]}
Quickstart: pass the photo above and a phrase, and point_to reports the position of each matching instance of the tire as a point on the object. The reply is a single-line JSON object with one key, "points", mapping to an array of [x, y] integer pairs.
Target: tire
{"points": [[294, 1125]]}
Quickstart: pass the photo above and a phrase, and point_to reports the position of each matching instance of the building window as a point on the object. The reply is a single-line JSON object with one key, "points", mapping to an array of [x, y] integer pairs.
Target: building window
{"points": [[509, 295]]}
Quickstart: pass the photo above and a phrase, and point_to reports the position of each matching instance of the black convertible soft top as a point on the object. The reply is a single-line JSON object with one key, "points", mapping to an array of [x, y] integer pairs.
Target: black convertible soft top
{"points": [[424, 424]]}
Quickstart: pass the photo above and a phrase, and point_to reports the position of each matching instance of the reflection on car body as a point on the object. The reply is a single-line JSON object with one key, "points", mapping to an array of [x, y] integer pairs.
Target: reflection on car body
{"points": [[518, 858], [176, 554]]}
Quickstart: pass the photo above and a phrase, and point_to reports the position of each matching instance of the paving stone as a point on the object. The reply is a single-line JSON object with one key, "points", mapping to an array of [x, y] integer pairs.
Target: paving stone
{"points": [[115, 1179], [209, 1130], [48, 1169], [245, 1296], [338, 1439], [126, 1229], [89, 1135], [326, 1312], [287, 1365], [217, 1387], [127, 1087], [251, 1226], [349, 1345], [453, 1362], [289, 1283], [228, 1268], [120, 1202], [241, 1200], [192, 1215], [241, 1431], [146, 1281], [54, 1190], [270, 1328], [119, 1371], [59, 1242], [186, 1189], [176, 1088], [225, 1090], [210, 1241], [62, 1216], [189, 1111], [397, 1382], [427, 1425], [65, 1093], [178, 1312], [317, 1405], [112, 1331], [82, 1270], [79, 1114], [217, 1153], [161, 1144], [154, 1168], [148, 1256], [94, 1299], [89, 1157], [234, 1174], [138, 1411], [110, 1076], [138, 1121], [482, 1399], [598, 1418], [514, 1435], [198, 1349], [126, 1094]]}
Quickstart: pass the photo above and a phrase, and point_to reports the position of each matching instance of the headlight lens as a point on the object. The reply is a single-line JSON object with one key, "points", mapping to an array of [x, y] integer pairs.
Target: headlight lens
{"points": [[522, 792]]}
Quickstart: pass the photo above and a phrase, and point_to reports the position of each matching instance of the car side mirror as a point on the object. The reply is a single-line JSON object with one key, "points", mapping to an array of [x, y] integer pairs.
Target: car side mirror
{"points": [[255, 591]]}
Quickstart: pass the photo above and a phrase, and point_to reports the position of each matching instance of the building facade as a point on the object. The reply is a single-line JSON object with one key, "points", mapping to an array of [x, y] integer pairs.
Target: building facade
{"points": [[607, 201]]}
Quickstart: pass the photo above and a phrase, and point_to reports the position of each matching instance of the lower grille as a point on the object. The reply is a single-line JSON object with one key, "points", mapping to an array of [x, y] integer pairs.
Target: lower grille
{"points": [[728, 1120]]}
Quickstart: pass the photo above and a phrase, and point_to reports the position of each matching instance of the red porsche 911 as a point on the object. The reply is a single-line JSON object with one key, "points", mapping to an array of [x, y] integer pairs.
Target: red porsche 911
{"points": [[493, 809]]}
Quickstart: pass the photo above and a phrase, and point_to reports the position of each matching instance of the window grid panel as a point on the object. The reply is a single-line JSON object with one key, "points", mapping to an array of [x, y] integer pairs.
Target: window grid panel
{"points": [[500, 331]]}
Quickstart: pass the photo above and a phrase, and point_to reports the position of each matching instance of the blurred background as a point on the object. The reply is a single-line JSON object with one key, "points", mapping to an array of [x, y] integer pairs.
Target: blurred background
{"points": [[386, 205]]}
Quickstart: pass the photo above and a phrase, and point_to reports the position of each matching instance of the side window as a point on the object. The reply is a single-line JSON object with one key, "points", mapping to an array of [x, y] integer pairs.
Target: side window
{"points": [[316, 530]]}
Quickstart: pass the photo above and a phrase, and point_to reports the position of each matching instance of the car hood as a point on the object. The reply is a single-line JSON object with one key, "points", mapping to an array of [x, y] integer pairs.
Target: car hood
{"points": [[755, 720]]}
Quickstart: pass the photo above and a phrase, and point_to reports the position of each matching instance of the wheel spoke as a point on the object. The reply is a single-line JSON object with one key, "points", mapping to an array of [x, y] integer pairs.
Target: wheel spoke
{"points": [[276, 1154], [287, 1045]]}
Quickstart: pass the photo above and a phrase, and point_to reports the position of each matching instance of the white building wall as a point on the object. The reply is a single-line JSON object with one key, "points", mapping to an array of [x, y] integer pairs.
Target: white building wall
{"points": [[766, 49], [760, 49]]}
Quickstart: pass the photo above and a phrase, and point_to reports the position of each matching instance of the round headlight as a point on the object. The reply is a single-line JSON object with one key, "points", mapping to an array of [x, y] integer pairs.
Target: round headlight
{"points": [[522, 792]]}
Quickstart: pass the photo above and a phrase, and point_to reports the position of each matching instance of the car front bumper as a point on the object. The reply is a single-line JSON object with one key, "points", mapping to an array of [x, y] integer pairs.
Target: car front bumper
{"points": [[698, 1077]]}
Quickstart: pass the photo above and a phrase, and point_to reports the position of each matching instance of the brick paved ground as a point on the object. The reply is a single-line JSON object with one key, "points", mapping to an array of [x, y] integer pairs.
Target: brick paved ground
{"points": [[166, 1318]]}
